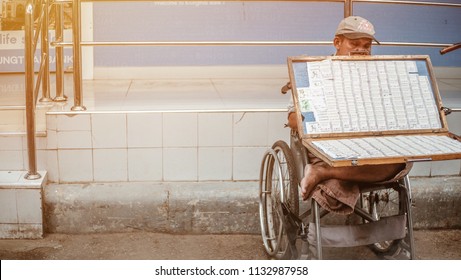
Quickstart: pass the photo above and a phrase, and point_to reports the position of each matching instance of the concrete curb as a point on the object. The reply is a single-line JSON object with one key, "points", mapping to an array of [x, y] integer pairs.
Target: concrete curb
{"points": [[216, 207], [437, 202], [211, 207]]}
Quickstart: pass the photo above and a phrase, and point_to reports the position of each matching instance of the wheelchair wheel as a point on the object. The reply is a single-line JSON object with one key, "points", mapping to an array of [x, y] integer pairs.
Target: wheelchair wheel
{"points": [[278, 185], [289, 177], [390, 202]]}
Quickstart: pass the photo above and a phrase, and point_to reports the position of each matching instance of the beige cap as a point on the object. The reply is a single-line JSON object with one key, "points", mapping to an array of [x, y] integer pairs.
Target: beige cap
{"points": [[355, 27]]}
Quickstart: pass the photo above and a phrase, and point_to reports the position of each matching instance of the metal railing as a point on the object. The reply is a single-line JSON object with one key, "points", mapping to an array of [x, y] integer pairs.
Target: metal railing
{"points": [[31, 40], [76, 44], [59, 52], [348, 10]]}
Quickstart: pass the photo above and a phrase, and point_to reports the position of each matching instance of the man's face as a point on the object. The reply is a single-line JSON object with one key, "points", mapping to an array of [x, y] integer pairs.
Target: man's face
{"points": [[346, 46]]}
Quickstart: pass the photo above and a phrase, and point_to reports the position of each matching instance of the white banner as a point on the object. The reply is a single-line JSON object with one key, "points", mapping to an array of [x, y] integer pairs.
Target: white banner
{"points": [[228, 269], [12, 37]]}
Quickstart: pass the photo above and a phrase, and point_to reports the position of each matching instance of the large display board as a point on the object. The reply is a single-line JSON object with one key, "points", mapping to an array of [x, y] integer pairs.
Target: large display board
{"points": [[370, 109]]}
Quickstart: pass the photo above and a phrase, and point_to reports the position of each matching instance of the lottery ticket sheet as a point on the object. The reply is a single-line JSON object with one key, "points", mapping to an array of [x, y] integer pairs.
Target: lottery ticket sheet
{"points": [[370, 109]]}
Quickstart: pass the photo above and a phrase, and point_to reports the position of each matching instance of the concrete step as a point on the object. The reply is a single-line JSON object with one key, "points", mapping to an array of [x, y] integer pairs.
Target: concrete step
{"points": [[206, 207], [21, 205]]}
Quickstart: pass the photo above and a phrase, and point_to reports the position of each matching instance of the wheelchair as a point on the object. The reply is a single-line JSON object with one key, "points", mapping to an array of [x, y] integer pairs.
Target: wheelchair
{"points": [[290, 227]]}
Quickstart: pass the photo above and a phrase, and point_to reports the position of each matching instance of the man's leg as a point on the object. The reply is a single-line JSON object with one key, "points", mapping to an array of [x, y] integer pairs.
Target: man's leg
{"points": [[315, 174]]}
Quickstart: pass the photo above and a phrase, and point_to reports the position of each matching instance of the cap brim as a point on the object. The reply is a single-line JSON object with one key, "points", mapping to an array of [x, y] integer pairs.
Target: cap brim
{"points": [[356, 35]]}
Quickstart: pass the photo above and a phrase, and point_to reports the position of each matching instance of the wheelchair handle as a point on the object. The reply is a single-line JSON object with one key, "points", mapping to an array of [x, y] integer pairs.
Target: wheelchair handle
{"points": [[448, 111], [450, 48], [286, 88]]}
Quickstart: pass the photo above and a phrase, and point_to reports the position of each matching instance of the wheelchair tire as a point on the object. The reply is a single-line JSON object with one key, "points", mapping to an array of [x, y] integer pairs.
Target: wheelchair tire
{"points": [[287, 162], [277, 184]]}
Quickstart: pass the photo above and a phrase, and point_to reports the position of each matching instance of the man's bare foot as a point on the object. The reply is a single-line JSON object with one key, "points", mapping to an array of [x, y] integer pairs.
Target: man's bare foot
{"points": [[310, 180]]}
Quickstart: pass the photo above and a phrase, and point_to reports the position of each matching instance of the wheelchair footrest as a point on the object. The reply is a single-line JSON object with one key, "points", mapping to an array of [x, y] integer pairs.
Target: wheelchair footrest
{"points": [[387, 228]]}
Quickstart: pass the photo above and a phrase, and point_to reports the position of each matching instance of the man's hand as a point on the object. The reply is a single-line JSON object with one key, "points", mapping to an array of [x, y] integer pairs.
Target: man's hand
{"points": [[292, 121]]}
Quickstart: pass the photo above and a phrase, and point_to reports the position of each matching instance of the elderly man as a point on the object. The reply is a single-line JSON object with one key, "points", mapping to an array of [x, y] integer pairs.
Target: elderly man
{"points": [[337, 188]]}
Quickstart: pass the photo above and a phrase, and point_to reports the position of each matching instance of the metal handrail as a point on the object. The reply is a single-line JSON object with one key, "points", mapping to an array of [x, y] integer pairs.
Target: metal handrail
{"points": [[348, 8], [59, 35], [450, 48], [77, 53], [45, 52], [240, 43], [30, 47]]}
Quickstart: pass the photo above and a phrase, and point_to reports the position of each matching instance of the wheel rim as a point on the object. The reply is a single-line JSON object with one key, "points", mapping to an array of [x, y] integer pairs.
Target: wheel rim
{"points": [[271, 194]]}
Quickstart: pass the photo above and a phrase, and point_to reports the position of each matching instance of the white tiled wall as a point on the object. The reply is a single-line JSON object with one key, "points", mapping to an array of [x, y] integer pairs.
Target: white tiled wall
{"points": [[145, 164], [215, 130], [74, 140], [9, 143], [20, 213], [24, 200], [12, 120], [247, 162], [11, 153], [8, 214], [75, 165], [70, 123], [144, 130], [180, 130], [151, 146], [215, 163], [110, 165], [449, 167], [108, 130], [180, 164], [161, 146], [11, 160]]}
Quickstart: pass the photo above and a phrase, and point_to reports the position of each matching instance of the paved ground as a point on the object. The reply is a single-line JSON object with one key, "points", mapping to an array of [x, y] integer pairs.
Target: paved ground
{"points": [[430, 245]]}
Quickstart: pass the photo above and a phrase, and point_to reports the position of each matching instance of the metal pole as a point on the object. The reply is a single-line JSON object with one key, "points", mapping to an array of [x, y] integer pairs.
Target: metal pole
{"points": [[348, 8], [77, 52], [45, 55], [409, 200], [245, 43], [59, 54], [200, 43], [32, 174], [318, 233]]}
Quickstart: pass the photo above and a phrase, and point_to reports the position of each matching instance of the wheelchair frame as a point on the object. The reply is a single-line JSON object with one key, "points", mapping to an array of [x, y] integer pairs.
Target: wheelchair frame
{"points": [[384, 210]]}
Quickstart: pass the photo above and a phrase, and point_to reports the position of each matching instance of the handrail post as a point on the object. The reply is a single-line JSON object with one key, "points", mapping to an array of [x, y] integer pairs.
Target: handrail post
{"points": [[45, 50], [32, 174], [348, 11], [59, 53], [77, 53]]}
